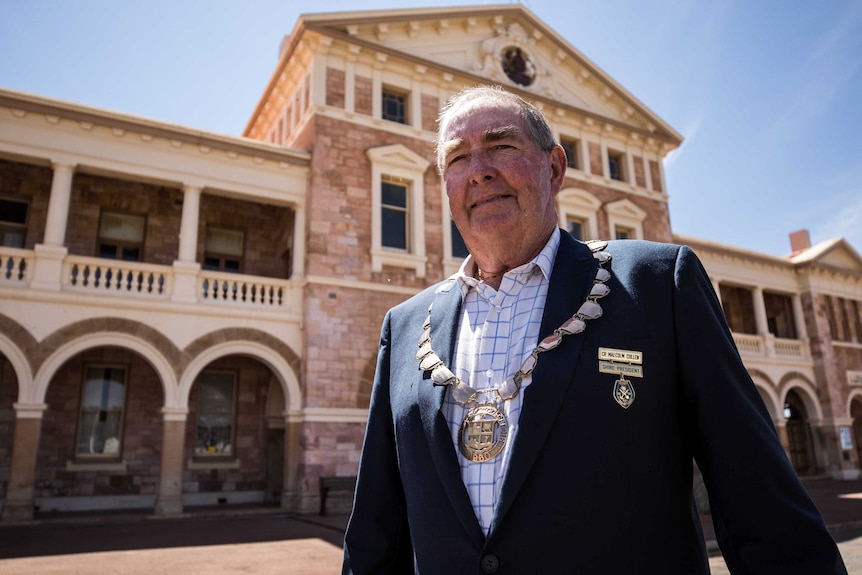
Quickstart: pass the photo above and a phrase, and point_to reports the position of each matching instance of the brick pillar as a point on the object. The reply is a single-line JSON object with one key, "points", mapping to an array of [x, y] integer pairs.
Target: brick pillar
{"points": [[22, 471], [169, 501], [291, 498]]}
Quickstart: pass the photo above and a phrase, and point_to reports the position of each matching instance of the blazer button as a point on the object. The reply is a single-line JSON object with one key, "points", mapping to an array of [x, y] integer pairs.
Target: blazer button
{"points": [[490, 563]]}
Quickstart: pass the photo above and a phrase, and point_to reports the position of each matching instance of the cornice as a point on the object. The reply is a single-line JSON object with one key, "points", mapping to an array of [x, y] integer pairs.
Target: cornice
{"points": [[20, 104]]}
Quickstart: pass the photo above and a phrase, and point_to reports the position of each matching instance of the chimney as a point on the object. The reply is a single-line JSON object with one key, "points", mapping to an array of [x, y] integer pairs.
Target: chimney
{"points": [[799, 241]]}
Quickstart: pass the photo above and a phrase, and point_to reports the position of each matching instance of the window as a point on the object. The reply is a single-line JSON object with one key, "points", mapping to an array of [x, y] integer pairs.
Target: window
{"points": [[625, 220], [576, 227], [223, 250], [397, 217], [100, 417], [572, 148], [578, 209], [393, 206], [779, 315], [738, 305], [394, 106], [623, 233], [121, 236], [214, 419], [13, 222], [616, 169], [459, 248]]}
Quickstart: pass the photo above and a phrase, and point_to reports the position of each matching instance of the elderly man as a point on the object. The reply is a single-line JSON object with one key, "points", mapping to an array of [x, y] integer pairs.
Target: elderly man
{"points": [[539, 411]]}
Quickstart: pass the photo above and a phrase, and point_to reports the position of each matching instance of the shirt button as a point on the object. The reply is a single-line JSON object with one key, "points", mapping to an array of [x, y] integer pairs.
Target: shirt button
{"points": [[490, 563], [498, 308], [489, 374]]}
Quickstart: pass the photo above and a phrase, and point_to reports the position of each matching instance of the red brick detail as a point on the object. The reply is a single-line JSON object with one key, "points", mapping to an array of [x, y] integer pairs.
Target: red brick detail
{"points": [[335, 83], [655, 174]]}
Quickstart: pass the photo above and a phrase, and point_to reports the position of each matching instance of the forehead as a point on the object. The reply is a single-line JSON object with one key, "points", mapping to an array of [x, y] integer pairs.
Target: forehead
{"points": [[479, 118]]}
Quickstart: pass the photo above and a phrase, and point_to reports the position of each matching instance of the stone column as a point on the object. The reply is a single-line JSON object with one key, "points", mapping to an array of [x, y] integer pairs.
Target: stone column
{"points": [[297, 271], [169, 500], [22, 471], [58, 204], [799, 318], [185, 267], [49, 255], [291, 497]]}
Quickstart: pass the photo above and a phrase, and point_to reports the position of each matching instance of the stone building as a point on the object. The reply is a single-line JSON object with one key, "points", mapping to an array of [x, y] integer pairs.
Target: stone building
{"points": [[188, 318]]}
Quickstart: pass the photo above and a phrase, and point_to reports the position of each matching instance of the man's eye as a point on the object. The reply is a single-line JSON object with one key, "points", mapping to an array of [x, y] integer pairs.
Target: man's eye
{"points": [[456, 159]]}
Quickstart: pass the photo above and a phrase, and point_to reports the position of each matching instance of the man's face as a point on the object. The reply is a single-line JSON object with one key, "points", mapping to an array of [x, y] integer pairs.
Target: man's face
{"points": [[501, 186]]}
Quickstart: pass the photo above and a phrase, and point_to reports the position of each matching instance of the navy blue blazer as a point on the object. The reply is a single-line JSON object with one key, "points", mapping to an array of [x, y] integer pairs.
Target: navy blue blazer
{"points": [[591, 487]]}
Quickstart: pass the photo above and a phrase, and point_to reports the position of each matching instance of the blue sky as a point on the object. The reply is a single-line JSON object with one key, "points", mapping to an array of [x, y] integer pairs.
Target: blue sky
{"points": [[767, 93]]}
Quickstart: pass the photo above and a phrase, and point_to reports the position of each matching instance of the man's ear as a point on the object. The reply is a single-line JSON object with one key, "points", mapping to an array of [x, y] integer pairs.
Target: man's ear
{"points": [[558, 168]]}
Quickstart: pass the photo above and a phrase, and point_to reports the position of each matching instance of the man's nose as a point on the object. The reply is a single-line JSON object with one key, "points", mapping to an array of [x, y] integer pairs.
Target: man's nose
{"points": [[481, 168]]}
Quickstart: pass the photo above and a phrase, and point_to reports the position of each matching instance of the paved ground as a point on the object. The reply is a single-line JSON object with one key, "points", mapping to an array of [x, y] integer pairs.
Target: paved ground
{"points": [[265, 541]]}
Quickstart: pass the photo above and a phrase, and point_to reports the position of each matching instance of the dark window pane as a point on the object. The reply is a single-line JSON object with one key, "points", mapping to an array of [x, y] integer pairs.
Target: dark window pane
{"points": [[571, 158], [393, 195], [108, 251], [394, 232], [459, 248], [393, 107], [13, 212], [576, 229], [131, 254], [615, 167]]}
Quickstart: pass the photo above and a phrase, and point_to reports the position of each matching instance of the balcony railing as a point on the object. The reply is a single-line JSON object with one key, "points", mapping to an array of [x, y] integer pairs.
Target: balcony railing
{"points": [[108, 277], [228, 288], [771, 346], [115, 278], [15, 266]]}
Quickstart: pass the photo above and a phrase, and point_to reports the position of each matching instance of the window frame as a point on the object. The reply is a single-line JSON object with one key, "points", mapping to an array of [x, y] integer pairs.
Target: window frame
{"points": [[120, 245], [121, 426], [389, 91], [397, 161], [625, 214], [223, 256], [392, 208], [575, 160], [577, 204], [216, 456], [619, 158]]}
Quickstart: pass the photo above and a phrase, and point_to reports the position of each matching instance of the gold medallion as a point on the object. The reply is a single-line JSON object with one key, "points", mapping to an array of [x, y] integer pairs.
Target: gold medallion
{"points": [[483, 433], [624, 392]]}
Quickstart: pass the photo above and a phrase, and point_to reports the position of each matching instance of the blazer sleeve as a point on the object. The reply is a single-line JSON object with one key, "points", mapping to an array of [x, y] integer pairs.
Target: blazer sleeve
{"points": [[377, 539], [765, 522]]}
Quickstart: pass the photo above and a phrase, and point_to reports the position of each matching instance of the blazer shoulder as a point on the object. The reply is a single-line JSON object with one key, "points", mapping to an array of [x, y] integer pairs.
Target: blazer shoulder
{"points": [[418, 304]]}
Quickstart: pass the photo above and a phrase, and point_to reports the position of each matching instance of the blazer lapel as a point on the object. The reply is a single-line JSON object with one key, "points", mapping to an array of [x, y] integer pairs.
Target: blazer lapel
{"points": [[571, 279], [444, 327]]}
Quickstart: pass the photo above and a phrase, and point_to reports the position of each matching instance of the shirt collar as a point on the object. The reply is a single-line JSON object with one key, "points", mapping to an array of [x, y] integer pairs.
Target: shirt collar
{"points": [[544, 261]]}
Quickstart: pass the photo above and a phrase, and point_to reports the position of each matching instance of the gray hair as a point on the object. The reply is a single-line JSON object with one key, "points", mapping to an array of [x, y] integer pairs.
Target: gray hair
{"points": [[534, 120]]}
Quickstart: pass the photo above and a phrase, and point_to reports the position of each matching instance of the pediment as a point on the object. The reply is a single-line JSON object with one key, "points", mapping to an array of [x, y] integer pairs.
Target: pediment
{"points": [[398, 155], [835, 253], [499, 44]]}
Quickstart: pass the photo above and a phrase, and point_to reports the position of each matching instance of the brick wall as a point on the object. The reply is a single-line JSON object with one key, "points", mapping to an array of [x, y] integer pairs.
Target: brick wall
{"points": [[362, 95], [335, 87], [8, 396], [93, 194], [597, 162], [264, 227], [655, 174]]}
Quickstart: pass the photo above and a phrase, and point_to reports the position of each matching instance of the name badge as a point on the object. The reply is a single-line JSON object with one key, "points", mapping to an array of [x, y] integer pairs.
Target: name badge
{"points": [[611, 354]]}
